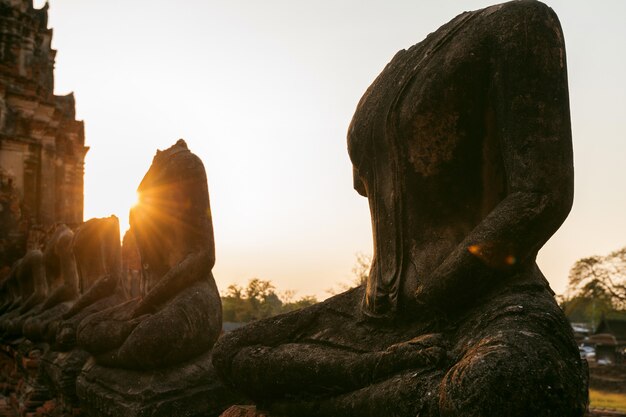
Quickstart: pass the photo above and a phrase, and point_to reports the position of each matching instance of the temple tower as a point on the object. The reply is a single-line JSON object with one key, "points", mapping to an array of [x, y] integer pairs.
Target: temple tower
{"points": [[42, 148]]}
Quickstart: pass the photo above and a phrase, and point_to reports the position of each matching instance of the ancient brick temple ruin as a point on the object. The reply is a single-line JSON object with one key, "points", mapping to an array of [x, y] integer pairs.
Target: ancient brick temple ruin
{"points": [[42, 148]]}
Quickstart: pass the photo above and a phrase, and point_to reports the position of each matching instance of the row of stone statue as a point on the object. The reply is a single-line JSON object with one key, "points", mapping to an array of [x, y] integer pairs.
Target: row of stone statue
{"points": [[53, 295], [462, 146], [147, 305]]}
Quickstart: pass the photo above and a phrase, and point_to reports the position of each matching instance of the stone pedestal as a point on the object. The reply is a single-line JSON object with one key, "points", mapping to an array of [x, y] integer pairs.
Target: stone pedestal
{"points": [[189, 389], [59, 371]]}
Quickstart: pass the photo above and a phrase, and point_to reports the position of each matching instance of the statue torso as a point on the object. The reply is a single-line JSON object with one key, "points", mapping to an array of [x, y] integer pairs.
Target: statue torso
{"points": [[424, 140]]}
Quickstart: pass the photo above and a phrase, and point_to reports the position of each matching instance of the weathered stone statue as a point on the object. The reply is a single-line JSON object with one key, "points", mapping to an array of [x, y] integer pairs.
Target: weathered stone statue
{"points": [[61, 278], [97, 253], [31, 271], [174, 232], [48, 287], [29, 276], [462, 146], [153, 355]]}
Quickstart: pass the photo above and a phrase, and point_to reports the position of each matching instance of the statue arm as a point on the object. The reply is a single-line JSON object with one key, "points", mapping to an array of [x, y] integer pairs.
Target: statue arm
{"points": [[103, 287], [192, 268], [530, 108]]}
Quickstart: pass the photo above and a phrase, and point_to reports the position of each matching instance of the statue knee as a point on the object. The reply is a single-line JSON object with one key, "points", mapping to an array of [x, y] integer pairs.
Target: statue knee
{"points": [[507, 379], [148, 347]]}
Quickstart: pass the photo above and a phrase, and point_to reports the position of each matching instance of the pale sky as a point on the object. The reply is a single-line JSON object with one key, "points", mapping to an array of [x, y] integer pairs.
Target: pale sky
{"points": [[263, 92]]}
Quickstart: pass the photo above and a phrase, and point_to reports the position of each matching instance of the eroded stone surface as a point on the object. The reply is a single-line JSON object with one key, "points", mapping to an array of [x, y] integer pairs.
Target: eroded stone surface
{"points": [[152, 356], [187, 389], [97, 254], [174, 232], [462, 146]]}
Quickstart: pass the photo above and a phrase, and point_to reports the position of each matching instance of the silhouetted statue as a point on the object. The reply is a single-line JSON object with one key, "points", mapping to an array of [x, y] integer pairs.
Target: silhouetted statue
{"points": [[97, 252], [97, 255], [179, 316], [61, 278], [153, 356], [29, 275], [462, 146]]}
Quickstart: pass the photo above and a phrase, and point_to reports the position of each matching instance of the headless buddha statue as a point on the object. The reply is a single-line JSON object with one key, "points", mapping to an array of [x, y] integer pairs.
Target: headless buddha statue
{"points": [[29, 275], [62, 285], [179, 314], [97, 252], [462, 146]]}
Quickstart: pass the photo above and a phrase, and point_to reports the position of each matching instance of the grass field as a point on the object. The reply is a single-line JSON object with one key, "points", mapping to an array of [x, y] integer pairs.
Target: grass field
{"points": [[607, 400]]}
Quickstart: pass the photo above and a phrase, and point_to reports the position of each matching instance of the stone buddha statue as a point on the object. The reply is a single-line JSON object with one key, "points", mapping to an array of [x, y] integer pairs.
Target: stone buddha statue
{"points": [[62, 284], [97, 253], [179, 314], [462, 146], [29, 275]]}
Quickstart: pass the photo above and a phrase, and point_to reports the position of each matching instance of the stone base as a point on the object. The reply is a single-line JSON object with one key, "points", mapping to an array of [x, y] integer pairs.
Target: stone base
{"points": [[59, 371], [189, 389]]}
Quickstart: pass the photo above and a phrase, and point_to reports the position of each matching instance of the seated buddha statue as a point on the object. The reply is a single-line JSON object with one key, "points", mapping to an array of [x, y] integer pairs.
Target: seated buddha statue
{"points": [[97, 253], [62, 284], [178, 316], [462, 146], [29, 276]]}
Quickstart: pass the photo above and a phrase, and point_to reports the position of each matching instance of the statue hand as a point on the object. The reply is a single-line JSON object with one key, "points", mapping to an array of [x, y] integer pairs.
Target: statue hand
{"points": [[424, 351]]}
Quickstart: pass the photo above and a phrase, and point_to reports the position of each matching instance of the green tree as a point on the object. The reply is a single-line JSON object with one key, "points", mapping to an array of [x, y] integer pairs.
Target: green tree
{"points": [[234, 306], [258, 300], [583, 309], [596, 288], [361, 268], [600, 277], [306, 301]]}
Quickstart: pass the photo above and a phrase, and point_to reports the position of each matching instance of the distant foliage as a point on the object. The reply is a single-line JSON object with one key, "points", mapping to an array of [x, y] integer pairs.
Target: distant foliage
{"points": [[259, 300], [361, 268], [597, 286], [601, 276], [586, 309]]}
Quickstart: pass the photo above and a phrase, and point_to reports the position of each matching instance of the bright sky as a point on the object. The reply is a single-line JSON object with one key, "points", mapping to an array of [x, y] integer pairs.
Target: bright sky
{"points": [[263, 92]]}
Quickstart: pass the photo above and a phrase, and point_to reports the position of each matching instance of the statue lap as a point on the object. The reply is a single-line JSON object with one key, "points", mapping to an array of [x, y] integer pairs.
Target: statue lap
{"points": [[141, 343], [518, 335]]}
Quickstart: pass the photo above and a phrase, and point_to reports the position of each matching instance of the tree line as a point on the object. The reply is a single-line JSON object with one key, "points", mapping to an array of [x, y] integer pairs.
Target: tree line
{"points": [[596, 288], [259, 299]]}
